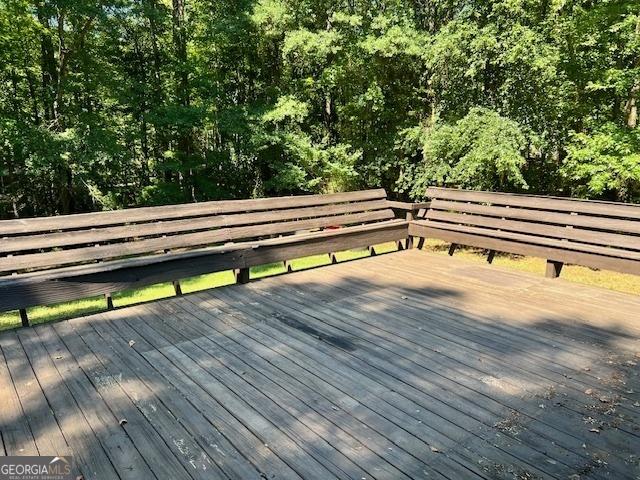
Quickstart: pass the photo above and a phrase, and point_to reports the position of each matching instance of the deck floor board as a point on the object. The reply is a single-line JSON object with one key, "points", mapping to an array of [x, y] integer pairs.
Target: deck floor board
{"points": [[405, 366]]}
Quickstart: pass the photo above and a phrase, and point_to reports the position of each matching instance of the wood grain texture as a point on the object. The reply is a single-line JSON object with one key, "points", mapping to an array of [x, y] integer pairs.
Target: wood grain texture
{"points": [[411, 365], [148, 214], [593, 207], [602, 235], [73, 283], [56, 259], [560, 255], [182, 241], [25, 243]]}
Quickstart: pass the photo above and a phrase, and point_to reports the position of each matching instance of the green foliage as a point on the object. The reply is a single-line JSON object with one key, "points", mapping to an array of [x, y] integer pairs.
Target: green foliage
{"points": [[132, 102], [482, 150], [605, 161]]}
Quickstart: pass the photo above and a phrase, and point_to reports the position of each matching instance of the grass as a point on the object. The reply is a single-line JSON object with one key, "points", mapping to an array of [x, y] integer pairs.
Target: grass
{"points": [[162, 290], [611, 280], [614, 281]]}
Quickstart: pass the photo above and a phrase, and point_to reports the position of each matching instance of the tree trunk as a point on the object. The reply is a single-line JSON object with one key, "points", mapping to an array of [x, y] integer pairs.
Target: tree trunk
{"points": [[184, 140], [47, 64], [631, 106]]}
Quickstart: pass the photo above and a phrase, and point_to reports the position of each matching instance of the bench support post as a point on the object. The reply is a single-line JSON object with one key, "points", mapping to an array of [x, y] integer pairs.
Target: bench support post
{"points": [[492, 253], [242, 275], [109, 300], [421, 243], [177, 288], [372, 251], [399, 245], [553, 269], [23, 317], [452, 249], [409, 241], [287, 266], [333, 258]]}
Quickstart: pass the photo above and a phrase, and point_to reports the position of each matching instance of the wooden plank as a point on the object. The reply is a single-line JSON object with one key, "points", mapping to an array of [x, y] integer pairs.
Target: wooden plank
{"points": [[566, 256], [43, 424], [16, 434], [319, 396], [63, 286], [188, 240], [339, 323], [610, 224], [195, 458], [239, 403], [88, 452], [217, 424], [300, 422], [117, 445], [428, 395], [409, 206], [56, 287], [163, 227], [534, 239], [539, 229], [144, 214], [161, 457], [274, 250], [607, 209]]}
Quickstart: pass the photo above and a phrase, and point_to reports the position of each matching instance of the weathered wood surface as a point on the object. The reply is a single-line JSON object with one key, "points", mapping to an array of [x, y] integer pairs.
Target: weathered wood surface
{"points": [[411, 365], [150, 214], [49, 260], [595, 234], [42, 288]]}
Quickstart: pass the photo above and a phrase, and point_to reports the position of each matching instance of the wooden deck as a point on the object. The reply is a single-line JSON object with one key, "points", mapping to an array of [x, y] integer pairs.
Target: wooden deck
{"points": [[408, 365]]}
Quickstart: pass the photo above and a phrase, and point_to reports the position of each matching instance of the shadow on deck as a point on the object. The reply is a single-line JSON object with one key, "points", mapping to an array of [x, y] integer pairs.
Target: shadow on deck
{"points": [[404, 366]]}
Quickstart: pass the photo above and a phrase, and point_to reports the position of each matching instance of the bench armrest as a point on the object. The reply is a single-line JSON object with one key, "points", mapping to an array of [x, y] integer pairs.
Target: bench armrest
{"points": [[409, 206], [412, 209]]}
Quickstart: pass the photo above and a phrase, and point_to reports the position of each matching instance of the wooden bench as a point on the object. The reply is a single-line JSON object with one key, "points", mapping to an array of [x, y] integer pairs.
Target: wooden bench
{"points": [[54, 259], [603, 235]]}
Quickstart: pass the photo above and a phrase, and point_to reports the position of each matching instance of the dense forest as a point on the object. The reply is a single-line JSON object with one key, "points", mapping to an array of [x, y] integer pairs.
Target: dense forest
{"points": [[113, 103]]}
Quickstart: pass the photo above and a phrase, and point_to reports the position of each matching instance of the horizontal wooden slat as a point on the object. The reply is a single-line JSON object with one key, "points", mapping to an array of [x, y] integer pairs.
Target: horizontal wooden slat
{"points": [[578, 234], [189, 240], [501, 245], [608, 209], [407, 205], [72, 283], [609, 224], [61, 239], [146, 214], [274, 250], [533, 239]]}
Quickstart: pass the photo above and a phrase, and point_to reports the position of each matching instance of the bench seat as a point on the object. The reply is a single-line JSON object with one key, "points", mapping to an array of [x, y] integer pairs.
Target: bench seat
{"points": [[50, 260], [603, 235]]}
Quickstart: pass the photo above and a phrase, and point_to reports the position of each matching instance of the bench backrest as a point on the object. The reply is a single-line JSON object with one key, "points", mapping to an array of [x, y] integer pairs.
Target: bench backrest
{"points": [[48, 242], [599, 234]]}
